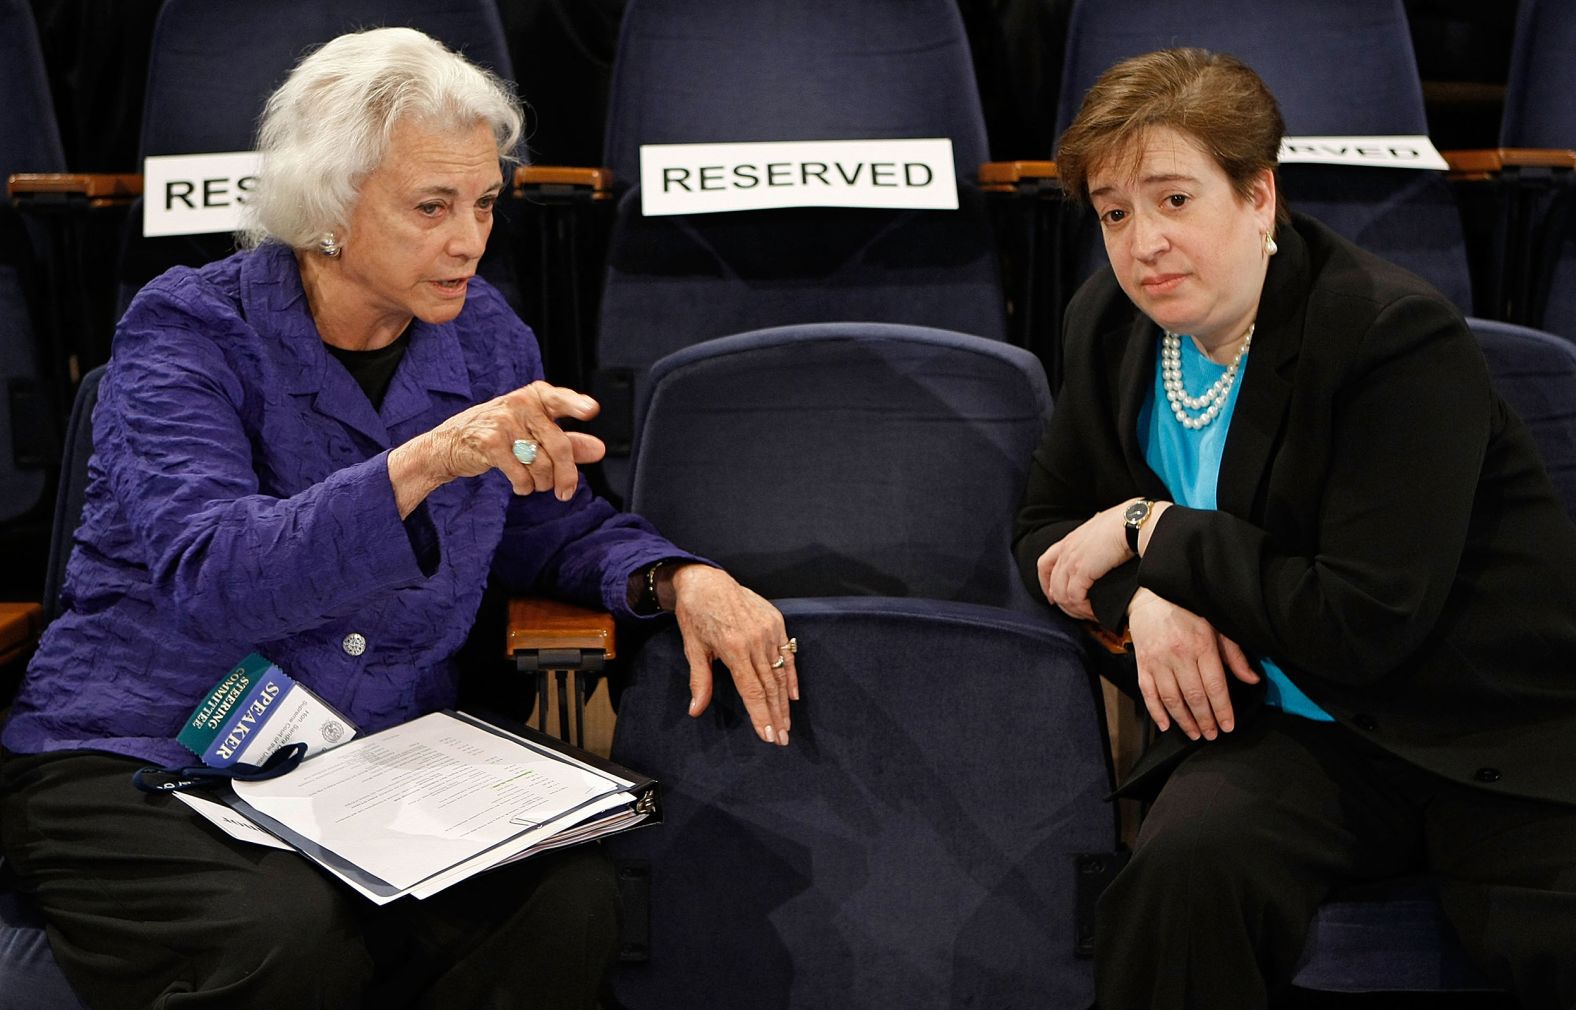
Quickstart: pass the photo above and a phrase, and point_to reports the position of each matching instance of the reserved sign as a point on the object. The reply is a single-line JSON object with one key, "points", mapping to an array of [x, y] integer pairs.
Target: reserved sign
{"points": [[1378, 152], [194, 194], [715, 178]]}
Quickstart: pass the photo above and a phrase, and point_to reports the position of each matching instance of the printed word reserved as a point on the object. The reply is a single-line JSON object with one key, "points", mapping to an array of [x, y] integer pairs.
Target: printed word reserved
{"points": [[716, 178], [194, 194], [1377, 152]]}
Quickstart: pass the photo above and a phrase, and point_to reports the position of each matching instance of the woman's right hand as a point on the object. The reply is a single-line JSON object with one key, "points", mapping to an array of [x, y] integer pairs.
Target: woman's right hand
{"points": [[482, 437], [1182, 664]]}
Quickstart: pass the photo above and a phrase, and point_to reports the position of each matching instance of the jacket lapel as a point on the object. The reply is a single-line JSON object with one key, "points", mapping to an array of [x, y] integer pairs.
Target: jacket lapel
{"points": [[275, 305], [434, 364], [1136, 377], [1265, 397], [1263, 401]]}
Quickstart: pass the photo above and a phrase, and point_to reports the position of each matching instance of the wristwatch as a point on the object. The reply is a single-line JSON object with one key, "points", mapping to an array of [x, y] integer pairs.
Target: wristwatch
{"points": [[1134, 518]]}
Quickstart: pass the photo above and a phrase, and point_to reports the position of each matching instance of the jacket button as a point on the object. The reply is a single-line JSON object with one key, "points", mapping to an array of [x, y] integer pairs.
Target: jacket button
{"points": [[1366, 723], [1487, 775], [354, 644]]}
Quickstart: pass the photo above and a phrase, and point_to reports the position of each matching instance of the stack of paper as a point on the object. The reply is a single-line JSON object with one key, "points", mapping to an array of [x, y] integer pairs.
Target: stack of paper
{"points": [[418, 807]]}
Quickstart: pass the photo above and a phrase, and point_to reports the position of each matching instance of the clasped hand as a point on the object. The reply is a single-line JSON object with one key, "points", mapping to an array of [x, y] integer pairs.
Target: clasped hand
{"points": [[1069, 567], [1182, 659], [1182, 665]]}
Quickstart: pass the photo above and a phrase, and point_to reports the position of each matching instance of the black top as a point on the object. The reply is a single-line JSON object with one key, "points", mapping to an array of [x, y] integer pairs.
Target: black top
{"points": [[373, 370]]}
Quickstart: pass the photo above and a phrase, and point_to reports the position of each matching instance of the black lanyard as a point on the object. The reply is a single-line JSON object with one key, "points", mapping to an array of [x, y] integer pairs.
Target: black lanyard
{"points": [[165, 780]]}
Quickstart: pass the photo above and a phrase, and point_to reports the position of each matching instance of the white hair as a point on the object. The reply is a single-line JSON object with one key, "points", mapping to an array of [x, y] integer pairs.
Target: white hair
{"points": [[328, 125]]}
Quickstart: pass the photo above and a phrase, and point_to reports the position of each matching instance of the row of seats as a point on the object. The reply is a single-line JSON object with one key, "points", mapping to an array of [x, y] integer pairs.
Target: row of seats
{"points": [[829, 523], [609, 290], [939, 829]]}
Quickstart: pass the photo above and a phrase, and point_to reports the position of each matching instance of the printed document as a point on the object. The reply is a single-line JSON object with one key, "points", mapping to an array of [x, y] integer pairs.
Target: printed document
{"points": [[422, 805]]}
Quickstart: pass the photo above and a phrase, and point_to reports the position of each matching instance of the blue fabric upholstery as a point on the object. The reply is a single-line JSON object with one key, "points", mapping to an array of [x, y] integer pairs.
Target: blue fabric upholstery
{"points": [[29, 142], [1336, 67], [845, 458], [1386, 938], [700, 71], [1538, 107], [1394, 936], [915, 846], [1539, 113], [29, 136], [695, 71], [1536, 374], [73, 488], [215, 62], [29, 977]]}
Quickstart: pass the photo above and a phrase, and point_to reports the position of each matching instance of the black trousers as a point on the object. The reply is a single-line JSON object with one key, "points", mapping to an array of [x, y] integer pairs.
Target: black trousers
{"points": [[150, 906], [1253, 830]]}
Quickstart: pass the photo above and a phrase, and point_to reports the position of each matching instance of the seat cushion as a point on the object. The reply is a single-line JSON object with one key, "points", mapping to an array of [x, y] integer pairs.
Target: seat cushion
{"points": [[29, 977], [1392, 937]]}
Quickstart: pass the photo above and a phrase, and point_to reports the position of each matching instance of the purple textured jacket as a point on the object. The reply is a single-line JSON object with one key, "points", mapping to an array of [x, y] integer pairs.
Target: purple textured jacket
{"points": [[239, 500]]}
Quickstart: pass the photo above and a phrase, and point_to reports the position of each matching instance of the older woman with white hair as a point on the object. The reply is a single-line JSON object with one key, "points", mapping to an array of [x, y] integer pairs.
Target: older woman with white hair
{"points": [[321, 449]]}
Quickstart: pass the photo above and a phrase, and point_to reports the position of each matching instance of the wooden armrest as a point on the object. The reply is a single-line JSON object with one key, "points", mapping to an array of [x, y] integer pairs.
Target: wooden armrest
{"points": [[1485, 163], [1113, 643], [564, 180], [96, 189], [544, 634], [1011, 176], [20, 625]]}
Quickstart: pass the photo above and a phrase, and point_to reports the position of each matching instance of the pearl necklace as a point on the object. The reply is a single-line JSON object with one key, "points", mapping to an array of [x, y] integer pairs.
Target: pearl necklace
{"points": [[1213, 399]]}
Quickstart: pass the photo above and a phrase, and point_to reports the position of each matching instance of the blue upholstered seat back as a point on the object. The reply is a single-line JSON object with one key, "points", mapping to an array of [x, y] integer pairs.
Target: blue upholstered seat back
{"points": [[1535, 372], [845, 458], [700, 71], [1538, 107], [1539, 112], [214, 62], [29, 142], [703, 71], [30, 979], [916, 844]]}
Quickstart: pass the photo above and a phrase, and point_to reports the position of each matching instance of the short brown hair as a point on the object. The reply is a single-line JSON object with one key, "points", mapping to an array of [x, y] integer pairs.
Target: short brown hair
{"points": [[1215, 99]]}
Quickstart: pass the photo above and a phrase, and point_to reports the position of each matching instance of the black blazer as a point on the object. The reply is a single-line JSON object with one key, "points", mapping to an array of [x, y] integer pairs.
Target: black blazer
{"points": [[1385, 531]]}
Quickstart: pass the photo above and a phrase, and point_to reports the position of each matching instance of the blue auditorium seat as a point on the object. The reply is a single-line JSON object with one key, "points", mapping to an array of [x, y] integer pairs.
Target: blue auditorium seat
{"points": [[1535, 372], [845, 458], [920, 844], [33, 389], [29, 977], [702, 71], [1539, 113]]}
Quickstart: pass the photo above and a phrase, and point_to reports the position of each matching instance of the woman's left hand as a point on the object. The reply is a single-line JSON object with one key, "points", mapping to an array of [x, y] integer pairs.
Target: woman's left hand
{"points": [[721, 619], [1069, 567]]}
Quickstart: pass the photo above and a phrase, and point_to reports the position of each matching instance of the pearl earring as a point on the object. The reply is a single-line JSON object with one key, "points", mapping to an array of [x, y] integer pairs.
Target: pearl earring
{"points": [[1270, 248], [329, 245]]}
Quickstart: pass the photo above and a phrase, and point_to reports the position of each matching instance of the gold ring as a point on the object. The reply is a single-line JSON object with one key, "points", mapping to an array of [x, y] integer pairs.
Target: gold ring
{"points": [[792, 645], [782, 661]]}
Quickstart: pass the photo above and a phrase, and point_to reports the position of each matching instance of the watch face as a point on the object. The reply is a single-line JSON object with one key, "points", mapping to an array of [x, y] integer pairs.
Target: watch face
{"points": [[1136, 513]]}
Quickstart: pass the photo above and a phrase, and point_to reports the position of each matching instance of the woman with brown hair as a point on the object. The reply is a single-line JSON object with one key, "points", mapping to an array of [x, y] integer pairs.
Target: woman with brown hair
{"points": [[1278, 465]]}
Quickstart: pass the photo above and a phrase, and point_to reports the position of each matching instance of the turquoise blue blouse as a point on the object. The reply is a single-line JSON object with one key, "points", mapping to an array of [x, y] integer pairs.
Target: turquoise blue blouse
{"points": [[1188, 461]]}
